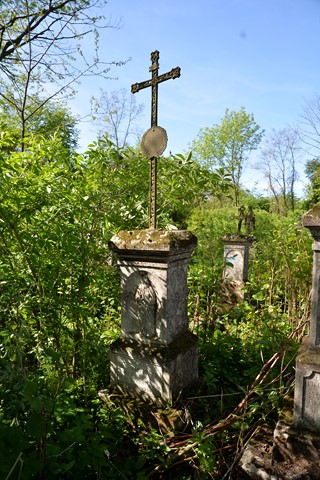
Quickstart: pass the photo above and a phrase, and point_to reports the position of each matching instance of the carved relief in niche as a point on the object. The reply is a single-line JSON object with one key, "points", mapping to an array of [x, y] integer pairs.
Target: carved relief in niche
{"points": [[146, 301], [140, 305]]}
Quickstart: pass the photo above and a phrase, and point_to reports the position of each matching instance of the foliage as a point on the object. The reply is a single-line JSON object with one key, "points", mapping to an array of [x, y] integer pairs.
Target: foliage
{"points": [[117, 113], [312, 170], [54, 237], [279, 159], [282, 281], [177, 198], [228, 144], [58, 432], [60, 302], [52, 119], [41, 54]]}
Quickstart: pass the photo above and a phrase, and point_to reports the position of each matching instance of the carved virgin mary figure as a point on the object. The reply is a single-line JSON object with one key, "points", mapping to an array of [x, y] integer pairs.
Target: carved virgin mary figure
{"points": [[146, 301]]}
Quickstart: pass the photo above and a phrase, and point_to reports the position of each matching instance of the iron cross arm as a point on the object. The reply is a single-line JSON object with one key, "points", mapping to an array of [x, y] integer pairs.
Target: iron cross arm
{"points": [[174, 73]]}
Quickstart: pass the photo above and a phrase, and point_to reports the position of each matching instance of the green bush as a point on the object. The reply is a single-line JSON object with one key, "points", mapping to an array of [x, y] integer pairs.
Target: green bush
{"points": [[60, 310]]}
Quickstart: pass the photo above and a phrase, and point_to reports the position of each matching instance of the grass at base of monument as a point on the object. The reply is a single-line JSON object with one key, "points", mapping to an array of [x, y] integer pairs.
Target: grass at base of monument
{"points": [[53, 350], [246, 379], [246, 374], [56, 427]]}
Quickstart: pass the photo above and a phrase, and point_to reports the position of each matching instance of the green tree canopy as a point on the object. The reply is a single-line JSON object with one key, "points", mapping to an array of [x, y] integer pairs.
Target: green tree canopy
{"points": [[53, 118], [42, 52], [229, 144], [117, 113], [312, 171]]}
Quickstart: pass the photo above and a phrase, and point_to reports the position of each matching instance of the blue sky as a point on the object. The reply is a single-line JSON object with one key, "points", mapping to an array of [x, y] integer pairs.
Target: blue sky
{"points": [[259, 54]]}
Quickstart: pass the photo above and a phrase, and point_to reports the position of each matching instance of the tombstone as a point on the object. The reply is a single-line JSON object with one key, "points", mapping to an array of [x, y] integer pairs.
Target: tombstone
{"points": [[156, 355], [293, 451], [236, 256], [237, 252], [307, 377]]}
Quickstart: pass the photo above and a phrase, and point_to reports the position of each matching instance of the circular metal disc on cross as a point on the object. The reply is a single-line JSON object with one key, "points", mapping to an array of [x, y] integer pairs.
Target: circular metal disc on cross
{"points": [[154, 142]]}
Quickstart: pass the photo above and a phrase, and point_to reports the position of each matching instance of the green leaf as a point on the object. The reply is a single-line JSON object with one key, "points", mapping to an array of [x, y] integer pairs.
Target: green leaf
{"points": [[35, 426]]}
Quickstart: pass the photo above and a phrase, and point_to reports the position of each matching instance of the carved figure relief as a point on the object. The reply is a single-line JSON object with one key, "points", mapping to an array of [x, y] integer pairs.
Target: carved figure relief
{"points": [[139, 309], [146, 304]]}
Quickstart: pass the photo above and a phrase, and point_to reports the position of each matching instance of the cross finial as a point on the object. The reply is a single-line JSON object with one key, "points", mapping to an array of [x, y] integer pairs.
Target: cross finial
{"points": [[154, 61]]}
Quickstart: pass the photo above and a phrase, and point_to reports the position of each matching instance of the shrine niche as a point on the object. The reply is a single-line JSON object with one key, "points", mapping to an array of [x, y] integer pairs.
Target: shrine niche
{"points": [[140, 305]]}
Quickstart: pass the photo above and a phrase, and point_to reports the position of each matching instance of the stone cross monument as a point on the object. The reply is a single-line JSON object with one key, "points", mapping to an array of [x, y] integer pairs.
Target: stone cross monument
{"points": [[156, 356], [154, 141], [307, 379], [236, 253]]}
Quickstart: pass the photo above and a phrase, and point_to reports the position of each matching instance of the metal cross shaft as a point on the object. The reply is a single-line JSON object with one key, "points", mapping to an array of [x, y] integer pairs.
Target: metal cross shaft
{"points": [[153, 83]]}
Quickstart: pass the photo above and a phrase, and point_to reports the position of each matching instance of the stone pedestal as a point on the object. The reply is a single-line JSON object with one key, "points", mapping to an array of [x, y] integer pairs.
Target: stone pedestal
{"points": [[156, 356], [306, 413], [284, 454], [236, 258], [293, 452]]}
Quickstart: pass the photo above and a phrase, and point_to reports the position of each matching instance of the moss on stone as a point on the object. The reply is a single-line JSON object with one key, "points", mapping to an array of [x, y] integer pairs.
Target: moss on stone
{"points": [[309, 357], [312, 217], [152, 239]]}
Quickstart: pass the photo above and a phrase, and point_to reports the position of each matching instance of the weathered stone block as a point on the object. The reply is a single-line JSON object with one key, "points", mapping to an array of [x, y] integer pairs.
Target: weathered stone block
{"points": [[156, 356], [157, 373]]}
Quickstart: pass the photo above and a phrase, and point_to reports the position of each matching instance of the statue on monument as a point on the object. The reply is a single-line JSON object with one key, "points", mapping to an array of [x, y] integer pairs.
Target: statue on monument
{"points": [[249, 221], [241, 218]]}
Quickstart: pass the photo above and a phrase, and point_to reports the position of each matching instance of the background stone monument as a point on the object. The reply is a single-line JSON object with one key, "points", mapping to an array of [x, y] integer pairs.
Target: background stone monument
{"points": [[236, 254], [156, 356], [293, 453], [307, 377]]}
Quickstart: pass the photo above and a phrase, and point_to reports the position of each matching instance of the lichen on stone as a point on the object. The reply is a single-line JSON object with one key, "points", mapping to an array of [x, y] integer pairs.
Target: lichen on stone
{"points": [[312, 217], [152, 239]]}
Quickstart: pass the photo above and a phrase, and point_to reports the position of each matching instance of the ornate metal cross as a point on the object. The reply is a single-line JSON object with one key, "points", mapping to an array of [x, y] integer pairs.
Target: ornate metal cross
{"points": [[158, 135]]}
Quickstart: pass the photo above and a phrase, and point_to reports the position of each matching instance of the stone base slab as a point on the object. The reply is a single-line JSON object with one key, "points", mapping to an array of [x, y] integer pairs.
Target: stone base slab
{"points": [[154, 372], [167, 420], [285, 454]]}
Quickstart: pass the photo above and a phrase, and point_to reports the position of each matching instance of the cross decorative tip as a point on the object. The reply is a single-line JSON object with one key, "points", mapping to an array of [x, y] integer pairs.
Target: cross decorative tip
{"points": [[135, 88]]}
